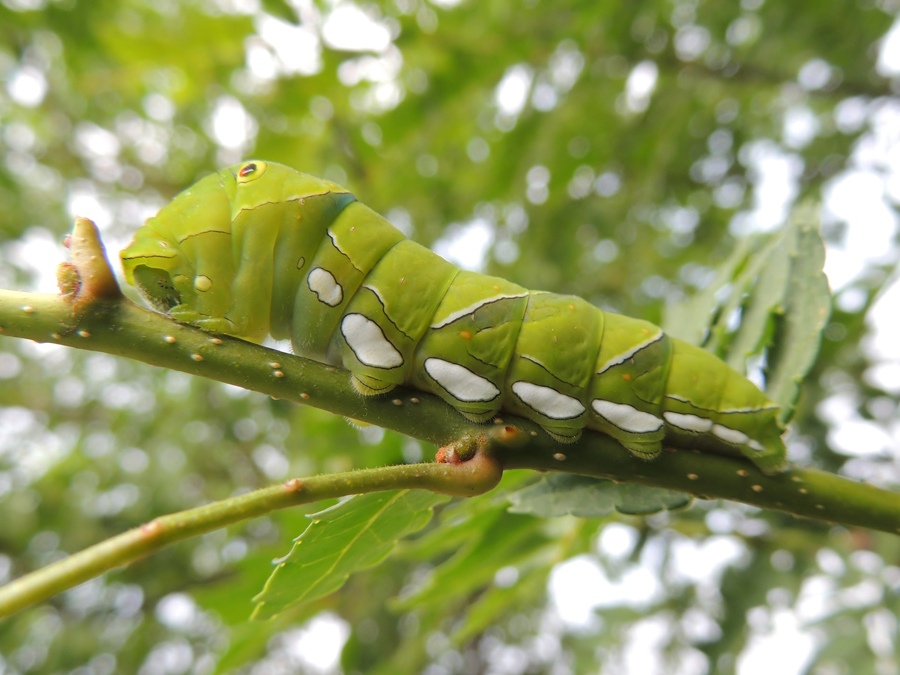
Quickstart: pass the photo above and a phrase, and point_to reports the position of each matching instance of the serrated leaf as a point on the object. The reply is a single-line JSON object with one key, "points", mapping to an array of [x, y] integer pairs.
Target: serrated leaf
{"points": [[452, 536], [567, 494], [689, 320], [765, 300], [508, 540], [348, 537], [742, 290], [806, 312], [758, 293], [498, 601], [785, 303]]}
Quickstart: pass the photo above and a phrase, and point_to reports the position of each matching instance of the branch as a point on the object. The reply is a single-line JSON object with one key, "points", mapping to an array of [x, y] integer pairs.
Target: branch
{"points": [[465, 479], [117, 326]]}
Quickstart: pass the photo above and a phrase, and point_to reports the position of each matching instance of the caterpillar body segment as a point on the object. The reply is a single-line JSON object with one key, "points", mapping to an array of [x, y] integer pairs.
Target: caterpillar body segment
{"points": [[261, 249]]}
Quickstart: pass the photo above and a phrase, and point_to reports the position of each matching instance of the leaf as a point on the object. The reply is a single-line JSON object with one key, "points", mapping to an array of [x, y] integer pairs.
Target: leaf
{"points": [[463, 522], [566, 494], [806, 312], [689, 320], [784, 300], [280, 9], [635, 499], [498, 601], [509, 539], [348, 537], [757, 292]]}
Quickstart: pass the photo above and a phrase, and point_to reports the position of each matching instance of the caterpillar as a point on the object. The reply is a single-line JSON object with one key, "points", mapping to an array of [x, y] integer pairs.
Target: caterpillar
{"points": [[260, 248]]}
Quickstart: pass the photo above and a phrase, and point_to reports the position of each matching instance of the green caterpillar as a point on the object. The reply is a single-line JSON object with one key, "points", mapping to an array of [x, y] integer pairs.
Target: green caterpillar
{"points": [[261, 249]]}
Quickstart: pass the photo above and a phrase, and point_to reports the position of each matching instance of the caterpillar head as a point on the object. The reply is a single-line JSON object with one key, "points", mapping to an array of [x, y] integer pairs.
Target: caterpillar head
{"points": [[185, 259]]}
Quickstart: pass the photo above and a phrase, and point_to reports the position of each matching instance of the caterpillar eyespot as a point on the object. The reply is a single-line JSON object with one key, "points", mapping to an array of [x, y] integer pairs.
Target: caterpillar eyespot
{"points": [[251, 171], [481, 343]]}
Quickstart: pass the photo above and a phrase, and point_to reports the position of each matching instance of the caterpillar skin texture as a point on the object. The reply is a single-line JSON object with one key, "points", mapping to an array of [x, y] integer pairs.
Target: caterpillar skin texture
{"points": [[261, 249]]}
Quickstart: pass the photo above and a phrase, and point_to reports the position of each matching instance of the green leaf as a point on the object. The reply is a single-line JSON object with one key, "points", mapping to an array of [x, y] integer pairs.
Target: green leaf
{"points": [[772, 267], [784, 300], [689, 320], [464, 522], [508, 540], [635, 499], [806, 312], [280, 9], [757, 292], [566, 494], [348, 537], [499, 601]]}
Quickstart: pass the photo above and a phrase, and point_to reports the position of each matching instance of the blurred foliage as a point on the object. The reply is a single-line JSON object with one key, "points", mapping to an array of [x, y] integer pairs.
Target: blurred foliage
{"points": [[613, 150]]}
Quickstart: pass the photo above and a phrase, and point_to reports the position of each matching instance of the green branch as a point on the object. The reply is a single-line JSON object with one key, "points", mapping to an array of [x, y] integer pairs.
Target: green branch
{"points": [[479, 475], [91, 314], [113, 325]]}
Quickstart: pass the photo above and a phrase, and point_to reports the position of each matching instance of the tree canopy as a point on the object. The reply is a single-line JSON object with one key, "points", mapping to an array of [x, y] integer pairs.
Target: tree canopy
{"points": [[618, 151]]}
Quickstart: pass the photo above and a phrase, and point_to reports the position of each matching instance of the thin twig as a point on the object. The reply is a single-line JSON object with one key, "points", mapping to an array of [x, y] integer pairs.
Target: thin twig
{"points": [[478, 475]]}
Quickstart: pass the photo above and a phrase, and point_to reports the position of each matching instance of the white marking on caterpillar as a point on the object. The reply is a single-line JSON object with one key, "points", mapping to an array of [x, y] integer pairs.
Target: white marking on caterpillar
{"points": [[622, 358], [627, 417], [368, 342], [202, 283], [325, 286], [377, 295], [333, 237], [384, 308], [471, 309], [536, 362], [755, 445], [548, 401], [688, 422], [334, 241], [730, 435], [461, 382]]}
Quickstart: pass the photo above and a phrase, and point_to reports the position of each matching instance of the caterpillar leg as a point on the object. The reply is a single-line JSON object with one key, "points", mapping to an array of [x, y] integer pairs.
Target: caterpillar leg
{"points": [[478, 417], [640, 448], [370, 386], [628, 385], [562, 434]]}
